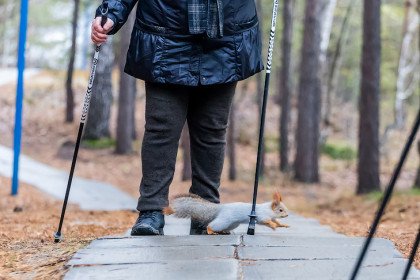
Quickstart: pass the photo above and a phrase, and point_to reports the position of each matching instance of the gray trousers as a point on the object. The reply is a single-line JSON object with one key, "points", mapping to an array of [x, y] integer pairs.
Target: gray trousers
{"points": [[168, 107]]}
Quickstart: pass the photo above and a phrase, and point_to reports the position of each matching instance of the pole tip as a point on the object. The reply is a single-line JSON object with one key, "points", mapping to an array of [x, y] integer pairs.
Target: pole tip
{"points": [[57, 237], [251, 231], [251, 227]]}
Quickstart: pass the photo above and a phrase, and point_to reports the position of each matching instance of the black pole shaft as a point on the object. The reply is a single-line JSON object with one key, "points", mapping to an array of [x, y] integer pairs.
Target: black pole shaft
{"points": [[412, 255], [104, 18], [253, 215], [387, 196], [73, 165], [260, 140]]}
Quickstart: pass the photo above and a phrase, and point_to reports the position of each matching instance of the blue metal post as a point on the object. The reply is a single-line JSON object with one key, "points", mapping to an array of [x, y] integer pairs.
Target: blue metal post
{"points": [[19, 93]]}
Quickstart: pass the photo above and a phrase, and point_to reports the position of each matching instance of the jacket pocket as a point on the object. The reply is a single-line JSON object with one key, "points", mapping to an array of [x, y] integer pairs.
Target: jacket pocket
{"points": [[145, 57], [248, 47]]}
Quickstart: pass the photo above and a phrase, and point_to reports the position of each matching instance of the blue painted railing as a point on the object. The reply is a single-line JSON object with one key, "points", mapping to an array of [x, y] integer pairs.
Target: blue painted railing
{"points": [[19, 93]]}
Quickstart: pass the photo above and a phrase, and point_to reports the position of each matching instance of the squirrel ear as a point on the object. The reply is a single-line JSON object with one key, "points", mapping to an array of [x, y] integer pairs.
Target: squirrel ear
{"points": [[274, 204], [277, 196]]}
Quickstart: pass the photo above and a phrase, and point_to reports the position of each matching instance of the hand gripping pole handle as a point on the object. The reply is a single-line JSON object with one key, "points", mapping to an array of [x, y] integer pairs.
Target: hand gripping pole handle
{"points": [[104, 14]]}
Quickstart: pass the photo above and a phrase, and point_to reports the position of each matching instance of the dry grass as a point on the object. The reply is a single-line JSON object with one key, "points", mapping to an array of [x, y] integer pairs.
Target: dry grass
{"points": [[28, 223], [353, 216]]}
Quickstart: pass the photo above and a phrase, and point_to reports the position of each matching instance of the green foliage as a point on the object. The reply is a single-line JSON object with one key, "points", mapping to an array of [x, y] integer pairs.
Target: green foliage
{"points": [[271, 143], [414, 192], [102, 143], [339, 152], [374, 196]]}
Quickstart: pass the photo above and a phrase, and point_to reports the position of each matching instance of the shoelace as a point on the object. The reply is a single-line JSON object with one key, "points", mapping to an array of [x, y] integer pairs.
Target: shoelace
{"points": [[154, 215]]}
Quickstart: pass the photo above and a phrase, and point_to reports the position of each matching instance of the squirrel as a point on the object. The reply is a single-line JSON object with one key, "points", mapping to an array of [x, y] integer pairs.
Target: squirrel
{"points": [[222, 218]]}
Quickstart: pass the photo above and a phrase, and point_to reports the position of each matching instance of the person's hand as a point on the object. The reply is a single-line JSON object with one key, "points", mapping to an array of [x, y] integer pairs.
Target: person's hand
{"points": [[99, 33]]}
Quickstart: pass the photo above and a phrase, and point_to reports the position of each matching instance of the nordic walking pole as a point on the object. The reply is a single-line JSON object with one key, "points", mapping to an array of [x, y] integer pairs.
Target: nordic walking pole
{"points": [[58, 234], [253, 216], [387, 196], [412, 255]]}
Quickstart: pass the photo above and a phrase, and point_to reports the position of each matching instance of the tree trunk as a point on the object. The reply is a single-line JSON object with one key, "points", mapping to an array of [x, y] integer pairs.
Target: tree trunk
{"points": [[97, 125], [307, 136], [260, 87], [86, 35], [285, 86], [186, 151], [368, 167], [405, 64], [231, 143], [417, 181], [407, 73], [126, 99], [335, 65], [69, 81], [327, 16]]}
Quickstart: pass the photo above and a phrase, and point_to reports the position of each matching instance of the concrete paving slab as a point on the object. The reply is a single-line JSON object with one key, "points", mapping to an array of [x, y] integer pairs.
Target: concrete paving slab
{"points": [[308, 241], [309, 253], [325, 270], [88, 194], [226, 269], [177, 230], [292, 231], [167, 241], [151, 254]]}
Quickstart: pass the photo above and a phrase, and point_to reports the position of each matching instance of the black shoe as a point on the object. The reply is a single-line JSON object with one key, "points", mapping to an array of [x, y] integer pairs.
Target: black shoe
{"points": [[198, 228], [149, 223]]}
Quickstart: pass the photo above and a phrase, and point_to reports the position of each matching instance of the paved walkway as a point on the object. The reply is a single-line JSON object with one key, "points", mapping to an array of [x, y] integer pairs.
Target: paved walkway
{"points": [[88, 194], [305, 251]]}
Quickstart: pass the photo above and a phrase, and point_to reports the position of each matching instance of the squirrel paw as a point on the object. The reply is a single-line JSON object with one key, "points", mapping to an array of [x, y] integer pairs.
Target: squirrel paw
{"points": [[278, 224], [283, 225], [211, 232]]}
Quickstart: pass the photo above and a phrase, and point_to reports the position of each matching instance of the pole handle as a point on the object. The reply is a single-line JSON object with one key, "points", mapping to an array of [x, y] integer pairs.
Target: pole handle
{"points": [[104, 13]]}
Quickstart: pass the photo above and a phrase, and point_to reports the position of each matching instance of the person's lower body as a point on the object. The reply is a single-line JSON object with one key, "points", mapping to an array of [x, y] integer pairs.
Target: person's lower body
{"points": [[168, 107]]}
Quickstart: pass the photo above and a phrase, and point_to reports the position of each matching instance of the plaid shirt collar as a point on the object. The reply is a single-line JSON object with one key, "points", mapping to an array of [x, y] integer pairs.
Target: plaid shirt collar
{"points": [[206, 16]]}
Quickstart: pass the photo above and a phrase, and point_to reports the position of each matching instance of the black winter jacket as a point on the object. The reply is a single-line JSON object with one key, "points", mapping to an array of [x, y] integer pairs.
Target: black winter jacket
{"points": [[162, 50]]}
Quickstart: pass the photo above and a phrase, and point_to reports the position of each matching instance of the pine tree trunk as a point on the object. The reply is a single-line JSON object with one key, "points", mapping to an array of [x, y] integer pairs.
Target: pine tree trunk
{"points": [[97, 125], [186, 150], [307, 136], [231, 143], [69, 81], [368, 167], [126, 99], [285, 86]]}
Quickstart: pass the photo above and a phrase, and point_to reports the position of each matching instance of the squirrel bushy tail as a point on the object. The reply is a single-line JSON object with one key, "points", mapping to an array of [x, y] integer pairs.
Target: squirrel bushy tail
{"points": [[192, 206]]}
